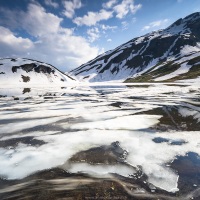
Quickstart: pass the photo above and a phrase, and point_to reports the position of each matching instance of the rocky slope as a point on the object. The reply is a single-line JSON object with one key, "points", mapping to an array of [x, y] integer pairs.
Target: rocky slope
{"points": [[27, 71], [166, 55]]}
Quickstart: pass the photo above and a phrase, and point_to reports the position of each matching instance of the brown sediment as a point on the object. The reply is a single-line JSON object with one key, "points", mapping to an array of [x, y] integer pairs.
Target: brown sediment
{"points": [[110, 154], [59, 184], [26, 90], [25, 78]]}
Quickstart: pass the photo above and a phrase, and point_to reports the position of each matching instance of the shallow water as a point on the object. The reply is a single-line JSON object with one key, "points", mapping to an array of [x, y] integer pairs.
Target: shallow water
{"points": [[112, 141]]}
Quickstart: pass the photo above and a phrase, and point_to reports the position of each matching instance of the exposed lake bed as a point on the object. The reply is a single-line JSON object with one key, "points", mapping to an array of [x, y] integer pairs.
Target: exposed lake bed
{"points": [[106, 141]]}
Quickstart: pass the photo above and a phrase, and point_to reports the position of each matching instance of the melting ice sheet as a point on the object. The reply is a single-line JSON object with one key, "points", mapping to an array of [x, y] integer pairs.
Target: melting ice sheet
{"points": [[63, 122]]}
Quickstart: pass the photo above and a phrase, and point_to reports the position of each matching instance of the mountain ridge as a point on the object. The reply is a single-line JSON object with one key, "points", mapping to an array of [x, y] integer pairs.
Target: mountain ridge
{"points": [[174, 46]]}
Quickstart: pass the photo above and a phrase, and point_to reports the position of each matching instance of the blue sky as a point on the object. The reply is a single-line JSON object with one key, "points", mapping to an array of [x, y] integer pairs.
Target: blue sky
{"points": [[68, 33]]}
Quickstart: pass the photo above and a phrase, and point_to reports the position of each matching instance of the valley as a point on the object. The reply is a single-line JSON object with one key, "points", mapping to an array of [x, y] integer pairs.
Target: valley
{"points": [[110, 140], [125, 125]]}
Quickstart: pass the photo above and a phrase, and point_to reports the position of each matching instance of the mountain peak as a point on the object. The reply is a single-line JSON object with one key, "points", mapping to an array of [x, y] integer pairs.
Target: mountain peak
{"points": [[191, 21], [176, 48], [188, 19], [192, 16]]}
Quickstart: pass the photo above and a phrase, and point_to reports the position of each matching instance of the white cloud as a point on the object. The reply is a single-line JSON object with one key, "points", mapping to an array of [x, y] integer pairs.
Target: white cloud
{"points": [[51, 3], [9, 18], [70, 7], [38, 22], [109, 4], [96, 32], [147, 27], [125, 25], [134, 20], [54, 44], [125, 7], [93, 34], [10, 44], [62, 49], [110, 7], [92, 18], [65, 49], [107, 27], [158, 23], [109, 40]]}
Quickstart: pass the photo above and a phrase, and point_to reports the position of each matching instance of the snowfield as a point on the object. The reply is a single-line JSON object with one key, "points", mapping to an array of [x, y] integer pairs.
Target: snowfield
{"points": [[66, 121], [20, 71]]}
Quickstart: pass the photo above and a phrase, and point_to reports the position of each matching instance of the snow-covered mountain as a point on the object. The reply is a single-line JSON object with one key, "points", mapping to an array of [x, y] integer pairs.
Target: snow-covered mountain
{"points": [[165, 55], [19, 71]]}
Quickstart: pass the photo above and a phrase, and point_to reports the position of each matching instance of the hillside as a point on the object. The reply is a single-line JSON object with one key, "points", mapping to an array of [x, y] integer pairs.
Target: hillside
{"points": [[19, 71], [166, 55]]}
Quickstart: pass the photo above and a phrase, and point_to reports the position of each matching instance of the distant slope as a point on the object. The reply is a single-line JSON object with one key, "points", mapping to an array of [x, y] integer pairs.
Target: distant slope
{"points": [[164, 55], [180, 69], [26, 71]]}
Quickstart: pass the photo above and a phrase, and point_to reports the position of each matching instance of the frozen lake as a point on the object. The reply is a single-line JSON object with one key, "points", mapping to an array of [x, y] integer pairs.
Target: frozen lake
{"points": [[114, 141]]}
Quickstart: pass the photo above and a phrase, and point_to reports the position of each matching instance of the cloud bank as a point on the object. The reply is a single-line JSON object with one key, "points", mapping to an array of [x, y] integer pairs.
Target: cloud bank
{"points": [[52, 43]]}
